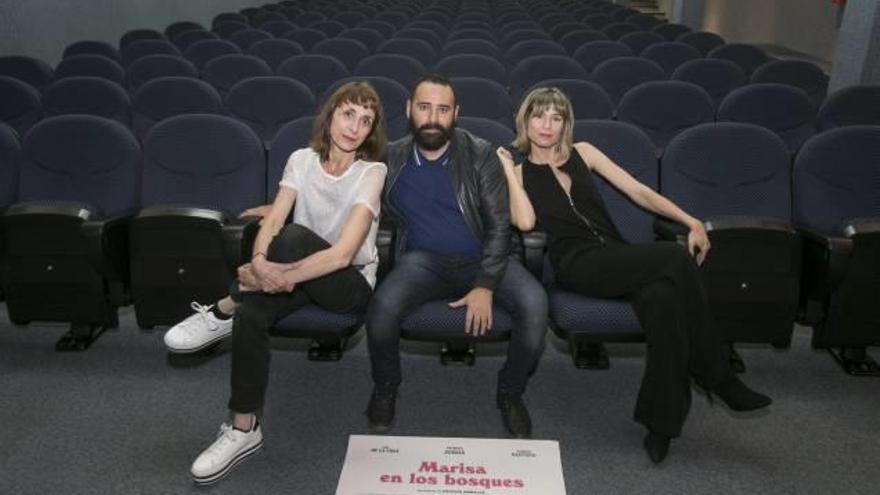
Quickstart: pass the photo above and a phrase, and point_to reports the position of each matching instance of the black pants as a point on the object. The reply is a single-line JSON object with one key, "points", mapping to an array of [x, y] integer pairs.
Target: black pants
{"points": [[663, 283], [342, 291]]}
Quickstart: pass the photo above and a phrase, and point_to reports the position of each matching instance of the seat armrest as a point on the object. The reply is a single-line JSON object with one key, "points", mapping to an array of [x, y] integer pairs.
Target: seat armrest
{"points": [[747, 223], [238, 239], [825, 262], [669, 230], [534, 244], [385, 242], [106, 243], [862, 226]]}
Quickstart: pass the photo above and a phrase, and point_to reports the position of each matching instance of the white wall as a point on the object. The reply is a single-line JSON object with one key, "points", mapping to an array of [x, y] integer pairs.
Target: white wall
{"points": [[808, 26], [42, 28]]}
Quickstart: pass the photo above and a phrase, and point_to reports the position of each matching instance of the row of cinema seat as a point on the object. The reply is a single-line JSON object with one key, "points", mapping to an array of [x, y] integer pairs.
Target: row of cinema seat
{"points": [[431, 321], [661, 108], [786, 244]]}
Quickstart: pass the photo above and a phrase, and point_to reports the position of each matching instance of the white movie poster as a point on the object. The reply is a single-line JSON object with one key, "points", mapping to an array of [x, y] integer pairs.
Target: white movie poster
{"points": [[380, 465]]}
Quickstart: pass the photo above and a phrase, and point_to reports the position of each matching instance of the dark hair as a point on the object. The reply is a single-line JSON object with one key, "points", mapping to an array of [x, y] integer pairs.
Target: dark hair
{"points": [[433, 78], [358, 93]]}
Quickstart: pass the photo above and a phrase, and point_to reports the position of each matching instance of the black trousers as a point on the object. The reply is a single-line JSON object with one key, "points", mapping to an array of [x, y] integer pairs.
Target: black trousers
{"points": [[342, 291], [663, 284]]}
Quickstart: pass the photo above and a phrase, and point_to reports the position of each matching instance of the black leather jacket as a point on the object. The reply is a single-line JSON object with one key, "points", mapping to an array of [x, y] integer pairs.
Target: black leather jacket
{"points": [[481, 191]]}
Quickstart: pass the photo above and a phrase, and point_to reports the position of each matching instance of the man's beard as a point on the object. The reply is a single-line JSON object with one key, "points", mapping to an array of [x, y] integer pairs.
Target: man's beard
{"points": [[431, 141]]}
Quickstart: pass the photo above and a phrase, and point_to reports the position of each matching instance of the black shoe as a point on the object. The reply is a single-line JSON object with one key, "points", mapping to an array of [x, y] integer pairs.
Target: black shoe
{"points": [[515, 415], [737, 395], [380, 411], [657, 446]]}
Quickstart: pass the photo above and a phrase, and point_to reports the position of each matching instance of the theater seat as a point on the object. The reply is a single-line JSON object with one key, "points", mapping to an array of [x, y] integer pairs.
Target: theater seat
{"points": [[837, 211], [736, 178], [66, 237], [200, 172]]}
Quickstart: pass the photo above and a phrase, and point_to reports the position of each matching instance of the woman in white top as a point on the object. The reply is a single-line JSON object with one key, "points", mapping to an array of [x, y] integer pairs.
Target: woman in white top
{"points": [[327, 256]]}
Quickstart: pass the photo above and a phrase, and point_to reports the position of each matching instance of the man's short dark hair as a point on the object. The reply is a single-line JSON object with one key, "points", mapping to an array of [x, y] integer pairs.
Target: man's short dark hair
{"points": [[434, 78]]}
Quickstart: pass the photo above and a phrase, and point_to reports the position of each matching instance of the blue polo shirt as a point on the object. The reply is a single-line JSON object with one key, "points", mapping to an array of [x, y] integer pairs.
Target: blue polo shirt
{"points": [[424, 196]]}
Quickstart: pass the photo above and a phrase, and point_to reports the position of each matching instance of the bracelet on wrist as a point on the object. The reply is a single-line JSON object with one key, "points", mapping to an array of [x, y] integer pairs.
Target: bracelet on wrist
{"points": [[258, 253]]}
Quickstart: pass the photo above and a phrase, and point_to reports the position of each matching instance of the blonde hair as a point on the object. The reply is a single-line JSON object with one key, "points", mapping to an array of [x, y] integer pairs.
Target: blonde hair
{"points": [[538, 101]]}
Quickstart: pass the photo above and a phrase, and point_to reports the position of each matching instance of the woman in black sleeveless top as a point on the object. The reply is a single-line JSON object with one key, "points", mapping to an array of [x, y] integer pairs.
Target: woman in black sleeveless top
{"points": [[554, 190]]}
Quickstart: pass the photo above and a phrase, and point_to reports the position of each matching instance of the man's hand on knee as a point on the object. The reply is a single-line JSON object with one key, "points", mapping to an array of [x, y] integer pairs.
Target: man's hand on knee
{"points": [[478, 319]]}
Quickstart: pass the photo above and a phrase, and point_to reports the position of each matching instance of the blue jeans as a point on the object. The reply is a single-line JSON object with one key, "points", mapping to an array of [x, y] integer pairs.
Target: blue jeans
{"points": [[420, 277]]}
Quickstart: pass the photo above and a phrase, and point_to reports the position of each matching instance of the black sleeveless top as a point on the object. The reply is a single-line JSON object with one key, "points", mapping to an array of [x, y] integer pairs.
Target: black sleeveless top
{"points": [[571, 225]]}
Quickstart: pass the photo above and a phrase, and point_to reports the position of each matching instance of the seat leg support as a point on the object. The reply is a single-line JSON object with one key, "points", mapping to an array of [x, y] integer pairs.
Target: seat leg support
{"points": [[855, 361], [455, 352], [80, 337], [589, 356], [327, 350]]}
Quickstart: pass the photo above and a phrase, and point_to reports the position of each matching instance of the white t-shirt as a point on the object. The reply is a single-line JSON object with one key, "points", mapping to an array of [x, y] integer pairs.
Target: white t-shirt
{"points": [[324, 202]]}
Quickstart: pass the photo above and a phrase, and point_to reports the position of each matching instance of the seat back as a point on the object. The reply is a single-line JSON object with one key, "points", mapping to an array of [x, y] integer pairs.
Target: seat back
{"points": [[783, 109], [748, 57], [670, 55], [155, 66], [275, 51], [142, 48], [418, 49], [315, 71], [483, 98], [165, 97], [798, 73], [639, 40], [728, 169], [20, 105], [177, 28], [137, 35], [202, 52], [91, 47], [348, 51], [306, 37], [663, 109], [266, 103], [83, 159], [834, 179], [593, 53], [853, 105], [27, 69], [88, 96], [10, 165], [401, 68], [703, 41], [199, 160], [473, 66], [369, 37], [185, 39], [494, 132], [576, 39], [247, 37], [619, 75], [226, 71], [543, 67], [671, 31], [90, 65], [471, 46], [718, 77]]}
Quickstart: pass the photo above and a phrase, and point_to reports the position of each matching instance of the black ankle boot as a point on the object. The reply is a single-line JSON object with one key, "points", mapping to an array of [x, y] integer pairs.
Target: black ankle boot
{"points": [[657, 446], [737, 395], [380, 411], [514, 414]]}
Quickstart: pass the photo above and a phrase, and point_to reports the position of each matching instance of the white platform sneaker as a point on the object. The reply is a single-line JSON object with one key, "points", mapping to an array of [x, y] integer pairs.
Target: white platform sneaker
{"points": [[231, 447], [197, 331]]}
